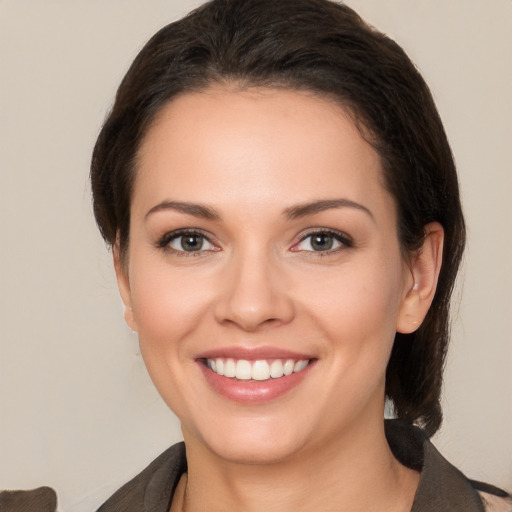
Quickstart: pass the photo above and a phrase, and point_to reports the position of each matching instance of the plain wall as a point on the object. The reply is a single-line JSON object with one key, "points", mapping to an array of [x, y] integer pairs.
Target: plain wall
{"points": [[77, 409]]}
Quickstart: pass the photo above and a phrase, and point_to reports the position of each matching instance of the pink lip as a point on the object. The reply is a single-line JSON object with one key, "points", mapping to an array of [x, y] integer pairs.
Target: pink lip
{"points": [[253, 353], [252, 391]]}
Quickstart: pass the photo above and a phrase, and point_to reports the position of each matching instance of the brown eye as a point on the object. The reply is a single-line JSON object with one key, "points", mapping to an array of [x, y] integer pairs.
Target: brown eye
{"points": [[191, 242], [323, 241], [187, 242]]}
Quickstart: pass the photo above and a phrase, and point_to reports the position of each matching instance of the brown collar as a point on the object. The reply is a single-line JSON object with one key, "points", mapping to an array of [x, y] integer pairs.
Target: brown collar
{"points": [[442, 487]]}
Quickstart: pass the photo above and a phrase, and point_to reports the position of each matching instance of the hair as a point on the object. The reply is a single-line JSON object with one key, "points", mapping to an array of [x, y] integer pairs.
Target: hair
{"points": [[326, 48]]}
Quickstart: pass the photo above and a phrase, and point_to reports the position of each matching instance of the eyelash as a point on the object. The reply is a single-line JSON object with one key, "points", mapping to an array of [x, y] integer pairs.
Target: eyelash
{"points": [[167, 238], [164, 242], [344, 240]]}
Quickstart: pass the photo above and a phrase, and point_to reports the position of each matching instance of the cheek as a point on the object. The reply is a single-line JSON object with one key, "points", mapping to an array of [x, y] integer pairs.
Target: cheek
{"points": [[357, 304], [169, 309], [167, 305]]}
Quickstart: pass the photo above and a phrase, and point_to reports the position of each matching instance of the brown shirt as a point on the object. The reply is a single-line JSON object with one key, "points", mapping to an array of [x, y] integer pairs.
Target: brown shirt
{"points": [[442, 487]]}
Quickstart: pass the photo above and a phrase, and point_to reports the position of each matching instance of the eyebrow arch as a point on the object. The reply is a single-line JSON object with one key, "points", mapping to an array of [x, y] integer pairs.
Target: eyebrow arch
{"points": [[197, 210], [303, 210]]}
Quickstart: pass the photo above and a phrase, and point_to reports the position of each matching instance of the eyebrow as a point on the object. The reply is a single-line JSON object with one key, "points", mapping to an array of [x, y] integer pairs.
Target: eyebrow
{"points": [[303, 210], [293, 212], [197, 210]]}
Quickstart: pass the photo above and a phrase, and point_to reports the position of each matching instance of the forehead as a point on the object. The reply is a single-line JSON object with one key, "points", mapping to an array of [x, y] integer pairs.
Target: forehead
{"points": [[258, 144]]}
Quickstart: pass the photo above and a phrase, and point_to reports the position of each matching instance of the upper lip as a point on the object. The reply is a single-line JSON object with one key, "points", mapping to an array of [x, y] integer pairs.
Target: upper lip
{"points": [[253, 353]]}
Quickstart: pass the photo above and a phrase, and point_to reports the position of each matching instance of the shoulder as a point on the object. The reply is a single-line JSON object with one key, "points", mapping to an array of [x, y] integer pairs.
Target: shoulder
{"points": [[493, 499], [152, 489], [442, 486], [42, 499]]}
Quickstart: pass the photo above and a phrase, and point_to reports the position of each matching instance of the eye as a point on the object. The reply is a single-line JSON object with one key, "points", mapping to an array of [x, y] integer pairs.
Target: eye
{"points": [[323, 241], [186, 242]]}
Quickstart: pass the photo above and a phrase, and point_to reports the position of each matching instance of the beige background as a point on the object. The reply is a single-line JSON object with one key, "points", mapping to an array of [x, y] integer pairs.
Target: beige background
{"points": [[77, 410]]}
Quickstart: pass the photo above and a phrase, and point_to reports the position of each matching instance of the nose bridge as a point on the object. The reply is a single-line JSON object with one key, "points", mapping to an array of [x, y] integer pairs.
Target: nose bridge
{"points": [[254, 291]]}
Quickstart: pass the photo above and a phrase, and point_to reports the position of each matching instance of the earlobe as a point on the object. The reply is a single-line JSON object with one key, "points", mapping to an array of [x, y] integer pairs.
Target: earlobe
{"points": [[424, 267], [123, 283]]}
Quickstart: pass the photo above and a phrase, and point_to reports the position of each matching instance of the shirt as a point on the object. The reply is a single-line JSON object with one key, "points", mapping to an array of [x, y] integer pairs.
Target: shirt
{"points": [[442, 487]]}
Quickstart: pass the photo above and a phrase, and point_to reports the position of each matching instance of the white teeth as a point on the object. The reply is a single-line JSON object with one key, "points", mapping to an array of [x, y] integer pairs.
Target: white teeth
{"points": [[243, 369], [299, 366], [256, 370], [230, 368], [276, 369], [219, 363], [288, 367], [260, 370]]}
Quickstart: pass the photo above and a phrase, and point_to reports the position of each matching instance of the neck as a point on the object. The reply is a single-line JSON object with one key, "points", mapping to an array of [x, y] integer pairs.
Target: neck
{"points": [[355, 472]]}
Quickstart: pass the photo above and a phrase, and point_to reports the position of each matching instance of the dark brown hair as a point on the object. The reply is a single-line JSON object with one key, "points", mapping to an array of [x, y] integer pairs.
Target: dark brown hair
{"points": [[324, 47]]}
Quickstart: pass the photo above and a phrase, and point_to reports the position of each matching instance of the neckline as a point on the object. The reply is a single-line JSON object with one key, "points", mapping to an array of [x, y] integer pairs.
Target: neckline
{"points": [[442, 487]]}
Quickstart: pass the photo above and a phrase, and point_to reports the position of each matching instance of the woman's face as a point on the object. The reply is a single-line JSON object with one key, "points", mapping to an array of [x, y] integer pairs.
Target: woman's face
{"points": [[263, 240]]}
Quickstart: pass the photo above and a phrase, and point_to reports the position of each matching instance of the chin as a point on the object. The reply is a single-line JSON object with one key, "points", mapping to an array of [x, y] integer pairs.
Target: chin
{"points": [[260, 442], [256, 452]]}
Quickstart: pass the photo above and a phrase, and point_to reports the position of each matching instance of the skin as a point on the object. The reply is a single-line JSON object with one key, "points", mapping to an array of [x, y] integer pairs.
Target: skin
{"points": [[251, 156]]}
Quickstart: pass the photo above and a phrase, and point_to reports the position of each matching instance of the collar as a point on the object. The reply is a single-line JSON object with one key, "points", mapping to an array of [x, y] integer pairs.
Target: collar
{"points": [[442, 487]]}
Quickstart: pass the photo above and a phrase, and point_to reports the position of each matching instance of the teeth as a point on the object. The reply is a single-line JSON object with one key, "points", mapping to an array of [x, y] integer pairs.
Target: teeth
{"points": [[260, 370], [288, 367], [256, 370], [230, 368], [243, 369], [276, 369], [299, 366]]}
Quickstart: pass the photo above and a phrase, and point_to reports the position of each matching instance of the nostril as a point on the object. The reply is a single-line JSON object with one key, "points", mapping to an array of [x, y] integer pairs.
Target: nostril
{"points": [[253, 296]]}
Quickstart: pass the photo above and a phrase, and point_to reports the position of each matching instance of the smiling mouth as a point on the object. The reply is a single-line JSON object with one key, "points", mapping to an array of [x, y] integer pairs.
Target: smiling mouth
{"points": [[258, 370]]}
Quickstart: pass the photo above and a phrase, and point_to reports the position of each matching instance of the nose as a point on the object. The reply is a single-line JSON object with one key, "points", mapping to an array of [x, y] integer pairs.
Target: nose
{"points": [[254, 293]]}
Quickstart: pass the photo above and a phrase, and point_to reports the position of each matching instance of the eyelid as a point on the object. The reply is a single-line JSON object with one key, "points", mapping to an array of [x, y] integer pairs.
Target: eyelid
{"points": [[345, 240], [164, 241]]}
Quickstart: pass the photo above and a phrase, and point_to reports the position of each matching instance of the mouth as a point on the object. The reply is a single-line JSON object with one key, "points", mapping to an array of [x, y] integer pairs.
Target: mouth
{"points": [[258, 370], [254, 376]]}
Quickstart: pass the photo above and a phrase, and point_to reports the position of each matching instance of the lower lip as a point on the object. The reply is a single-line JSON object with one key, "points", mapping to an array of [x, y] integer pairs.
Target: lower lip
{"points": [[253, 391]]}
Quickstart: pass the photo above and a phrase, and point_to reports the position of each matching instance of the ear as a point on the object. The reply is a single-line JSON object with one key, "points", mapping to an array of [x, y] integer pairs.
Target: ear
{"points": [[424, 267], [123, 283]]}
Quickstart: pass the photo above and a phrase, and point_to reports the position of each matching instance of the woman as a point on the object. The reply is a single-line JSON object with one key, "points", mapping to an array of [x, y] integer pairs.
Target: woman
{"points": [[284, 213]]}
